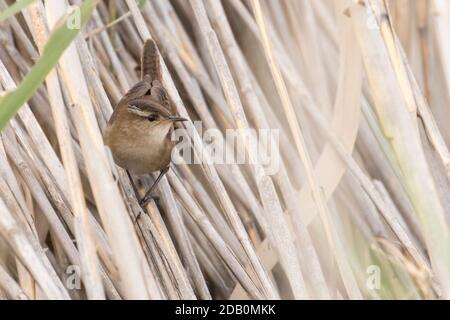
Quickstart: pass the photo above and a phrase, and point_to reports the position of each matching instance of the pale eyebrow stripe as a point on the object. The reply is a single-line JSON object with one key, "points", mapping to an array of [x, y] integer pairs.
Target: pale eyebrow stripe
{"points": [[139, 112], [151, 104]]}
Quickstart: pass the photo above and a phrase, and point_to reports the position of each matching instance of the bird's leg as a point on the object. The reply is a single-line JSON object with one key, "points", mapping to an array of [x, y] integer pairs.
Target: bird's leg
{"points": [[148, 194], [136, 193]]}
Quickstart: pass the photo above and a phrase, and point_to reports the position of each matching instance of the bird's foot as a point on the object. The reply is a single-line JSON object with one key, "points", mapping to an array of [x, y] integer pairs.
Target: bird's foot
{"points": [[144, 201]]}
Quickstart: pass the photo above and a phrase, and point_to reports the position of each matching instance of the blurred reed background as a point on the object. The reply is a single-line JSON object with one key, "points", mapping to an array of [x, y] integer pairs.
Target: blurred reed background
{"points": [[360, 205]]}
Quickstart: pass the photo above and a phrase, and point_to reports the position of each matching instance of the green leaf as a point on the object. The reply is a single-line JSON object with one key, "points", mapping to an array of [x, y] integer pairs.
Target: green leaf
{"points": [[58, 41], [14, 8]]}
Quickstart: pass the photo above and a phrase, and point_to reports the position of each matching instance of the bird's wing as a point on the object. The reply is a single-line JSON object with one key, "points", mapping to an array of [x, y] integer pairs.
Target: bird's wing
{"points": [[159, 93], [140, 89]]}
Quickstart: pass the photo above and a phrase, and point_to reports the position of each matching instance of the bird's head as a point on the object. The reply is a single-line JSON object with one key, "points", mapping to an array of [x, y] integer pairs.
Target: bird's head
{"points": [[152, 111]]}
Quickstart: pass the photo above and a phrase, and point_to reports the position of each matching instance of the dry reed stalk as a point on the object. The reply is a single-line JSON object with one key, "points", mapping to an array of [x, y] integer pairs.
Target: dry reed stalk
{"points": [[88, 258], [292, 66], [215, 239], [210, 170], [113, 212], [405, 142], [11, 231], [319, 199], [281, 235]]}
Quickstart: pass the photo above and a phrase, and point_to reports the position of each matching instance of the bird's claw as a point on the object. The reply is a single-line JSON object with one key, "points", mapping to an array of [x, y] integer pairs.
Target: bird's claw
{"points": [[144, 201]]}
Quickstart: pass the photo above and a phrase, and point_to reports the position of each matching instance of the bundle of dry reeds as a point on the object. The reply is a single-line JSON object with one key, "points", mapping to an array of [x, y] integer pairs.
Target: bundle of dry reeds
{"points": [[358, 208]]}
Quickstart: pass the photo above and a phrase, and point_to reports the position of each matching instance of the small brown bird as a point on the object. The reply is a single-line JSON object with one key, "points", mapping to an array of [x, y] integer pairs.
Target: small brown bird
{"points": [[139, 130]]}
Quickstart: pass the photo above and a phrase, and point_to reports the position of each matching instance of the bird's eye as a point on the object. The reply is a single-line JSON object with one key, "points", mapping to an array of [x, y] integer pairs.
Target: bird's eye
{"points": [[152, 117]]}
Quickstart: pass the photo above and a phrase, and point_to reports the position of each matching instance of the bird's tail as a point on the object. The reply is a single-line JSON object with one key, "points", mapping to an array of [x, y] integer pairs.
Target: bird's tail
{"points": [[150, 61]]}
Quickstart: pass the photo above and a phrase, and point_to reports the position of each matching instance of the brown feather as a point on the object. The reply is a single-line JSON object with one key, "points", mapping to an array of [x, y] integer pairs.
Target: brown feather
{"points": [[137, 143], [159, 93], [150, 61], [139, 90]]}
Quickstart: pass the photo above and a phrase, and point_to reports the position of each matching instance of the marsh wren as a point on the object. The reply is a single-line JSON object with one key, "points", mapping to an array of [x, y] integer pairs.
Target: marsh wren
{"points": [[140, 128]]}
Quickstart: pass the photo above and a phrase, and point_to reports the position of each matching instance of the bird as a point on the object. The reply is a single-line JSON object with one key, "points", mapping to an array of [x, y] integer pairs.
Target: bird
{"points": [[139, 130]]}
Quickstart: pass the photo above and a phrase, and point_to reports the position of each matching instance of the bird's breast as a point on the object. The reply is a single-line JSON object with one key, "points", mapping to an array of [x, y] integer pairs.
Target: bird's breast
{"points": [[139, 150]]}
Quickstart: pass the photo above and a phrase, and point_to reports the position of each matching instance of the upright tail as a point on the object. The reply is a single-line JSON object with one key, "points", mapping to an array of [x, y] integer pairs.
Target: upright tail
{"points": [[150, 61]]}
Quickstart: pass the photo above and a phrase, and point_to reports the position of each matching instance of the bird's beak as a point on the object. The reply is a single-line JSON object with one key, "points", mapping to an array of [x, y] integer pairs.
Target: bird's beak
{"points": [[175, 118]]}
